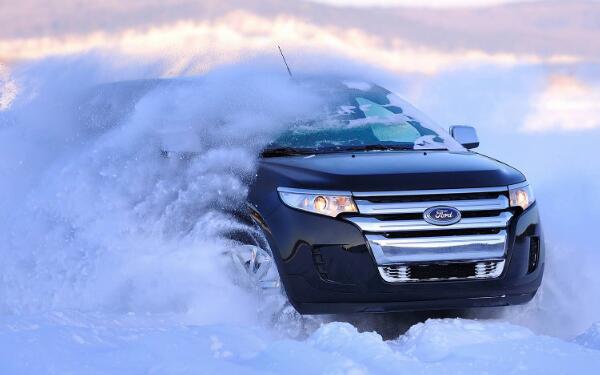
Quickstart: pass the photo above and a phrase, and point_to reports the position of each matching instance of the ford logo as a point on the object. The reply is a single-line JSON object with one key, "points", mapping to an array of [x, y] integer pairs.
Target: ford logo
{"points": [[442, 215]]}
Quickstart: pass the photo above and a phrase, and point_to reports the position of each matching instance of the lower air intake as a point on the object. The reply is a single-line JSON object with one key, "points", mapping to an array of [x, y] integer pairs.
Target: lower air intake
{"points": [[442, 271], [534, 254]]}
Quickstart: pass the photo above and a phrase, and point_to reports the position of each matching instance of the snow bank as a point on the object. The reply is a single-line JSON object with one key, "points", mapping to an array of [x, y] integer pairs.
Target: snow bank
{"points": [[130, 344], [590, 338]]}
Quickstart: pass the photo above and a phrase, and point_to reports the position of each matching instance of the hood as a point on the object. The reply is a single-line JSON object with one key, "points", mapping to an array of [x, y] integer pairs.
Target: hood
{"points": [[380, 171]]}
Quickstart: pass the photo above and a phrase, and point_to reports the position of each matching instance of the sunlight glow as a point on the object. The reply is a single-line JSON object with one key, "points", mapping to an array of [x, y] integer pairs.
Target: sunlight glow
{"points": [[241, 33], [566, 104]]}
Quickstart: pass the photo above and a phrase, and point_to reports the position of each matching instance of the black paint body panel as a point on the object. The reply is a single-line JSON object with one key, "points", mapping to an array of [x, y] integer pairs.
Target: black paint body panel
{"points": [[325, 263]]}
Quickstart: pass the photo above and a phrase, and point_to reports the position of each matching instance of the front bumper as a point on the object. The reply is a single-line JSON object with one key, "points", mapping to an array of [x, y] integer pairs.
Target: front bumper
{"points": [[327, 266]]}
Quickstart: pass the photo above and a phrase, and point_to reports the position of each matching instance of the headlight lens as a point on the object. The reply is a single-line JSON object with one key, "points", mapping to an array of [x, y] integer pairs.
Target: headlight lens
{"points": [[521, 196], [324, 203]]}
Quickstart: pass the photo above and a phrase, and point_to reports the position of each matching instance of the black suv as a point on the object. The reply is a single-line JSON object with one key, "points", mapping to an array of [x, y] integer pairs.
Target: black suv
{"points": [[374, 208]]}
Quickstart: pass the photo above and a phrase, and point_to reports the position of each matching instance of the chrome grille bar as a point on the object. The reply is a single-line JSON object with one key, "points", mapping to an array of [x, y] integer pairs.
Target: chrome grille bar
{"points": [[443, 248], [372, 224], [428, 192], [366, 207], [488, 269]]}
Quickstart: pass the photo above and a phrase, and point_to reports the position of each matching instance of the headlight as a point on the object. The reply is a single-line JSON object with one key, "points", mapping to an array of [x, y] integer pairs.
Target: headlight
{"points": [[330, 203], [521, 195]]}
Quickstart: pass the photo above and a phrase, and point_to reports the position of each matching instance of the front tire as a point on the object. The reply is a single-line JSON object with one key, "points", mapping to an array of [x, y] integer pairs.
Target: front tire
{"points": [[255, 269]]}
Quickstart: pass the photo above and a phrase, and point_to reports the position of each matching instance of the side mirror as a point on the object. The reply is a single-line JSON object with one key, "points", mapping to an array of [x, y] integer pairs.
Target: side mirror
{"points": [[465, 135]]}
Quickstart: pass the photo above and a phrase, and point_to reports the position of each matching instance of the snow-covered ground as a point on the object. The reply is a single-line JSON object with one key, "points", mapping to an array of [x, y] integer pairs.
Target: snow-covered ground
{"points": [[134, 344], [110, 254]]}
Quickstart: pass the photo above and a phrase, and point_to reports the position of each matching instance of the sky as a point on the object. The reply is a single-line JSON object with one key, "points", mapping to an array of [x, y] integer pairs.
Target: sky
{"points": [[420, 3]]}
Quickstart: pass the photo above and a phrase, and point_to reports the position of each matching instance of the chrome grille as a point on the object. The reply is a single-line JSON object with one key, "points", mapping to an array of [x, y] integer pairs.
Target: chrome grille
{"points": [[370, 208], [402, 241], [439, 248], [445, 271], [372, 224]]}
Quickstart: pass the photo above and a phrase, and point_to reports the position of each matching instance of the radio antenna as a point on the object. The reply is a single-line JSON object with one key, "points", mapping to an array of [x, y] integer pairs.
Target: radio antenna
{"points": [[285, 62]]}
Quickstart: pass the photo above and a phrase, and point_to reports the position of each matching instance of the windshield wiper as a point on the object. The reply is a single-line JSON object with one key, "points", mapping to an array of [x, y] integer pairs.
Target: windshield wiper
{"points": [[377, 148], [286, 151], [290, 151]]}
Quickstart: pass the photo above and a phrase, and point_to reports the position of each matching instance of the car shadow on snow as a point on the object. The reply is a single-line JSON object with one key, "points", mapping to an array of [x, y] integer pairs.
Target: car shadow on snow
{"points": [[392, 325]]}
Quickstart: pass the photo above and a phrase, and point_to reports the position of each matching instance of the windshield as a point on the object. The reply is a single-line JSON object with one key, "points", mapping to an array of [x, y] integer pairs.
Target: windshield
{"points": [[361, 116]]}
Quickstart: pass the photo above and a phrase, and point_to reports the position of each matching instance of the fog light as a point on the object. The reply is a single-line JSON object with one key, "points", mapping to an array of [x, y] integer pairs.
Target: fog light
{"points": [[534, 253]]}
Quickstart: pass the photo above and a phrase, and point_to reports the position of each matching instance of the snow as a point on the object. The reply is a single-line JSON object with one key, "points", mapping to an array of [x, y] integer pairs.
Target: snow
{"points": [[111, 255], [590, 338], [131, 344], [363, 86]]}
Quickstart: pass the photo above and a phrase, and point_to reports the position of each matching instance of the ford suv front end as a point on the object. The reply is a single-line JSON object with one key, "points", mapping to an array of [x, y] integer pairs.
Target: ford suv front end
{"points": [[377, 209]]}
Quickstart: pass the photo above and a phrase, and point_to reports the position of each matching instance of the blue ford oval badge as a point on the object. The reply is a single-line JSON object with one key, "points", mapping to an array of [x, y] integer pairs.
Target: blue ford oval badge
{"points": [[441, 215]]}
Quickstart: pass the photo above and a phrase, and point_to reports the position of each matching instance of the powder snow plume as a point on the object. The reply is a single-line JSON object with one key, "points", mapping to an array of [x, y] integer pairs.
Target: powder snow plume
{"points": [[96, 218]]}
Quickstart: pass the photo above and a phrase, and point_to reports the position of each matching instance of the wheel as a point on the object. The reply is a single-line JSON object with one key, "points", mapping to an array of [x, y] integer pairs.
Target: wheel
{"points": [[253, 261], [257, 266]]}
